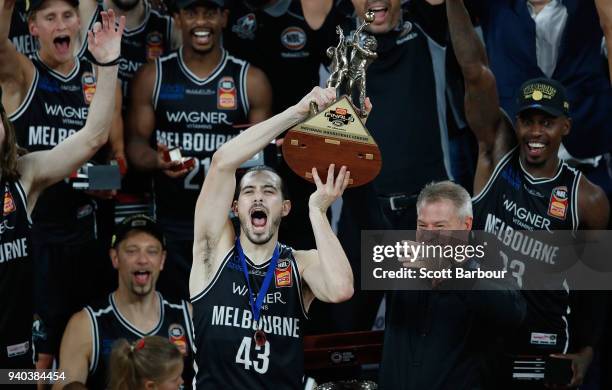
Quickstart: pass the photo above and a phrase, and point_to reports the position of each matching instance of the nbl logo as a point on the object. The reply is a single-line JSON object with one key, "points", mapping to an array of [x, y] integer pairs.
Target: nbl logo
{"points": [[88, 82], [339, 117]]}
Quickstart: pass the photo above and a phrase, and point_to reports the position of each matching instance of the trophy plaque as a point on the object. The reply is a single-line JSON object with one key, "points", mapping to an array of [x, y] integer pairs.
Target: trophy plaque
{"points": [[337, 134]]}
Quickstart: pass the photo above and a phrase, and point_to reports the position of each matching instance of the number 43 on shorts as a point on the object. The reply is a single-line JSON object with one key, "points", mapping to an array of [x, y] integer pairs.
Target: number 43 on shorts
{"points": [[260, 364]]}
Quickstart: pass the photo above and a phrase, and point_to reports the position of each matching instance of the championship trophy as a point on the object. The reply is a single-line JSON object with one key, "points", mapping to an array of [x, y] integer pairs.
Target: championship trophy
{"points": [[337, 134]]}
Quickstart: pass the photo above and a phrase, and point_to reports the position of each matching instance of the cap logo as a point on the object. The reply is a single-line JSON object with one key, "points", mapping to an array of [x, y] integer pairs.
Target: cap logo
{"points": [[138, 223], [539, 91], [536, 95]]}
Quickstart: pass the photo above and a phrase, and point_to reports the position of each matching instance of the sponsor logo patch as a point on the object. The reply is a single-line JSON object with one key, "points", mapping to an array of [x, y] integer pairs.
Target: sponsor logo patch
{"points": [[282, 274], [176, 335], [559, 201], [226, 94], [9, 203], [246, 26], [155, 47], [543, 338], [293, 38], [88, 82], [17, 349]]}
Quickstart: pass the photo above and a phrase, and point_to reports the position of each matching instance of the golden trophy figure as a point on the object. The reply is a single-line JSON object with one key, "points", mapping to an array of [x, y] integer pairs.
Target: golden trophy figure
{"points": [[337, 134]]}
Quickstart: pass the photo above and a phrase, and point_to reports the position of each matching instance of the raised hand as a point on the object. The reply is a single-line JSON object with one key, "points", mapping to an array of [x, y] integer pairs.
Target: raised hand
{"points": [[104, 40], [322, 97], [329, 191]]}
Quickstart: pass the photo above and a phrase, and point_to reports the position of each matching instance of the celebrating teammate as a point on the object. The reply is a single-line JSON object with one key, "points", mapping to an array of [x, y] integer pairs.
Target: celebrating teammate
{"points": [[521, 184], [251, 294], [23, 180], [133, 311], [47, 98], [192, 100]]}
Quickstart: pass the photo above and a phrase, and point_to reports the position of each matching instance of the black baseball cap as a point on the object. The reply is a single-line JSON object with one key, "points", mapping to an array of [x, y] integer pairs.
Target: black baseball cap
{"points": [[137, 222], [182, 4], [32, 5], [543, 94]]}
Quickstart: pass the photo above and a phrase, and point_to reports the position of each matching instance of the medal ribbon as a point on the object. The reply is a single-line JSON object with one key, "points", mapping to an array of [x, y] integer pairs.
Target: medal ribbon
{"points": [[256, 303]]}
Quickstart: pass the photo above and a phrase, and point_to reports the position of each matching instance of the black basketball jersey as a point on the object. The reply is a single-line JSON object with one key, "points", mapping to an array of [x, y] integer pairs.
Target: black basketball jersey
{"points": [[281, 43], [146, 42], [226, 355], [19, 34], [17, 311], [514, 201], [56, 107], [198, 116], [109, 325]]}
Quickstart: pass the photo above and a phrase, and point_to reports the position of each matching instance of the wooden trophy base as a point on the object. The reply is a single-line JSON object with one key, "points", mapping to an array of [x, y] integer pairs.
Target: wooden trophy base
{"points": [[333, 136]]}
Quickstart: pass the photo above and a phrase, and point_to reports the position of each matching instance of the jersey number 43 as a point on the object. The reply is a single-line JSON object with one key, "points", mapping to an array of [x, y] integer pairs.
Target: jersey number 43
{"points": [[243, 357]]}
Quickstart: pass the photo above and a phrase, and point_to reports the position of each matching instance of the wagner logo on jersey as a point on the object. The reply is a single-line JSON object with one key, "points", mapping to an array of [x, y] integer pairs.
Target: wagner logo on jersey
{"points": [[9, 203], [559, 201], [524, 218], [155, 45], [88, 81], [226, 94], [282, 274]]}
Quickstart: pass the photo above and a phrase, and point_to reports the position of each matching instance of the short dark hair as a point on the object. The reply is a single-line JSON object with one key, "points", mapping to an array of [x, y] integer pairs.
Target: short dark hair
{"points": [[261, 168]]}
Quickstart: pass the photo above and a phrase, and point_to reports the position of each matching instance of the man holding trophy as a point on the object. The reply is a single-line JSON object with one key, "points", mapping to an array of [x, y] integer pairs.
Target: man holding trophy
{"points": [[239, 340]]}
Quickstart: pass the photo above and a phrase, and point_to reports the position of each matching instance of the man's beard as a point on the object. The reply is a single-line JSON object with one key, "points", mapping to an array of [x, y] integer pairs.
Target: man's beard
{"points": [[142, 291], [261, 240]]}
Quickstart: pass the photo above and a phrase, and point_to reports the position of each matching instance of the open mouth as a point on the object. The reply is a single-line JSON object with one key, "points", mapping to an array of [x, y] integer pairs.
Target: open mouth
{"points": [[535, 148], [62, 44], [259, 218], [142, 277], [380, 13], [202, 36]]}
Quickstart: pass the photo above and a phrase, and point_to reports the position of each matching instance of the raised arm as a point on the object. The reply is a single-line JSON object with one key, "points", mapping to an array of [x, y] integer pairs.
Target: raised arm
{"points": [[493, 132], [41, 169], [211, 214], [87, 12], [326, 271], [76, 350], [604, 9], [16, 70]]}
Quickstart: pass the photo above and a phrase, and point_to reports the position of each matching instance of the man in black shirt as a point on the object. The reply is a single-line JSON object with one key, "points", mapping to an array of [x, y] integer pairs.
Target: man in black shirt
{"points": [[235, 347], [406, 84], [520, 183], [194, 99], [133, 311], [47, 98], [23, 180], [437, 339]]}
